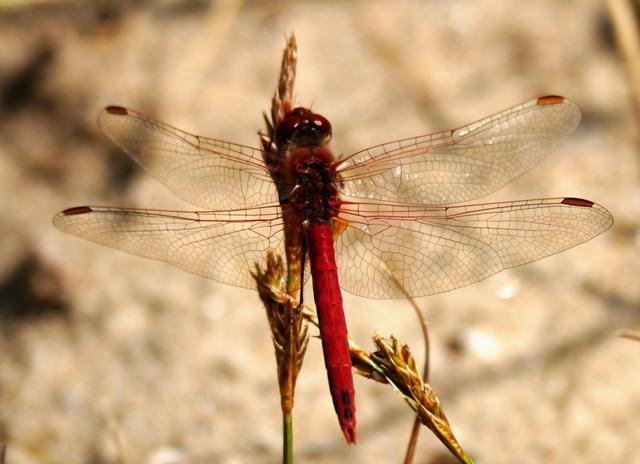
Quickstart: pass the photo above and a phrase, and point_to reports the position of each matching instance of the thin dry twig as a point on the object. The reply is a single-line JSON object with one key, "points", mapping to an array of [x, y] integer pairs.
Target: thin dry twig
{"points": [[415, 430], [625, 25], [206, 43], [386, 46], [630, 334]]}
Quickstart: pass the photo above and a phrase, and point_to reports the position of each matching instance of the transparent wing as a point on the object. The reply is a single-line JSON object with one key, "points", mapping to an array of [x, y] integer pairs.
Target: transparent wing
{"points": [[205, 172], [223, 246], [461, 164], [433, 249]]}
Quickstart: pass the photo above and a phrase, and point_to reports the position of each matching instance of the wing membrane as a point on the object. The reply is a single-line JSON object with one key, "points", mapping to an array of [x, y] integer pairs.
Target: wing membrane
{"points": [[223, 246], [209, 173], [462, 164], [433, 249]]}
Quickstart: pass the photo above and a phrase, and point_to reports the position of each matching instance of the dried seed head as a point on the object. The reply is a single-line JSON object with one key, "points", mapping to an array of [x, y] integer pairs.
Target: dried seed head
{"points": [[393, 363], [289, 333], [283, 99]]}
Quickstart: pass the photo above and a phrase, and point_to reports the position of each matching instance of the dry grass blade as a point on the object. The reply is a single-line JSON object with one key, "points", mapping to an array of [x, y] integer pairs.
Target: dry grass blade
{"points": [[289, 333]]}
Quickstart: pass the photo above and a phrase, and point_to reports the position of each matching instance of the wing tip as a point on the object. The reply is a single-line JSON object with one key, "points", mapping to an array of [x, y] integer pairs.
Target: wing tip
{"points": [[607, 219]]}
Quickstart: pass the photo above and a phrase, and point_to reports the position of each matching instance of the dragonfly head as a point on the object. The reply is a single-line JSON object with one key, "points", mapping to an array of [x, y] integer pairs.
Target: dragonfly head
{"points": [[302, 127]]}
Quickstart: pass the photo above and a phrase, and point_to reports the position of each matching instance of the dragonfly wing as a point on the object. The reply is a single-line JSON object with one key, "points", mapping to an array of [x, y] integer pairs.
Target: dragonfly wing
{"points": [[205, 172], [433, 249], [223, 246], [461, 164]]}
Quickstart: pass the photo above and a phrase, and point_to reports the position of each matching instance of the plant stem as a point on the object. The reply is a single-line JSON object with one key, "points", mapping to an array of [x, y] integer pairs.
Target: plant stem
{"points": [[287, 438], [415, 431]]}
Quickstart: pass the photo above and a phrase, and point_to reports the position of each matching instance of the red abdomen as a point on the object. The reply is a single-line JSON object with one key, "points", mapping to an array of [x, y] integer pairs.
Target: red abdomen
{"points": [[333, 327]]}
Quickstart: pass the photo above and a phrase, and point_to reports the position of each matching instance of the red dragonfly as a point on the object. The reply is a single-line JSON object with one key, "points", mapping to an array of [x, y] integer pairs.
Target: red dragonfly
{"points": [[380, 212]]}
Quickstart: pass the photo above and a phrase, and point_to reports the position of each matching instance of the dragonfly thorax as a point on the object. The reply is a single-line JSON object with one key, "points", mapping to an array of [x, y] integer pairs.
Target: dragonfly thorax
{"points": [[312, 172]]}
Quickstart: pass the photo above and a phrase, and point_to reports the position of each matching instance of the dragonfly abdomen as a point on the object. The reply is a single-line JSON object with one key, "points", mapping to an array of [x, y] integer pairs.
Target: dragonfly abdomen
{"points": [[332, 323]]}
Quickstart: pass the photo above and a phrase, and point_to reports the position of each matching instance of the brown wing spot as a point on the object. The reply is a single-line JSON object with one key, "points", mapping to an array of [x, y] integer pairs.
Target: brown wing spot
{"points": [[550, 100], [577, 202], [77, 210], [118, 110]]}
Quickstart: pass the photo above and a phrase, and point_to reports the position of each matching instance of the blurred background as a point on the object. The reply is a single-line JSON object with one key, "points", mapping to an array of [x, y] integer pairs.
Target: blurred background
{"points": [[110, 358]]}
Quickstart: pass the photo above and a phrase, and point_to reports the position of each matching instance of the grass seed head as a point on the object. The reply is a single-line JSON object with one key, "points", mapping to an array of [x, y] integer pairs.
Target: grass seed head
{"points": [[289, 333]]}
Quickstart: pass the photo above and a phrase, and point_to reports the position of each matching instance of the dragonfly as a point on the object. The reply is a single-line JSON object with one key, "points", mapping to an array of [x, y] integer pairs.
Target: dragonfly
{"points": [[383, 222]]}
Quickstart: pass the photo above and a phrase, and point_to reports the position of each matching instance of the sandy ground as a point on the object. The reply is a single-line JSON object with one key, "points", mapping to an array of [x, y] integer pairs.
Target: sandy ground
{"points": [[109, 358]]}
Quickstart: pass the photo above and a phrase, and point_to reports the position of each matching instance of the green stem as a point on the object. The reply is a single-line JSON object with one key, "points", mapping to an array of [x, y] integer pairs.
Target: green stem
{"points": [[287, 439]]}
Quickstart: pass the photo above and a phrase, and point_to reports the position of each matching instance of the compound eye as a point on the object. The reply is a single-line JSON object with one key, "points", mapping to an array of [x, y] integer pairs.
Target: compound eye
{"points": [[301, 126], [322, 124], [286, 129]]}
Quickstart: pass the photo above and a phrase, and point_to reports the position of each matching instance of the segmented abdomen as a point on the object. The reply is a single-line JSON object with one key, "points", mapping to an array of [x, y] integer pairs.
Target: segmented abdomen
{"points": [[333, 327]]}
